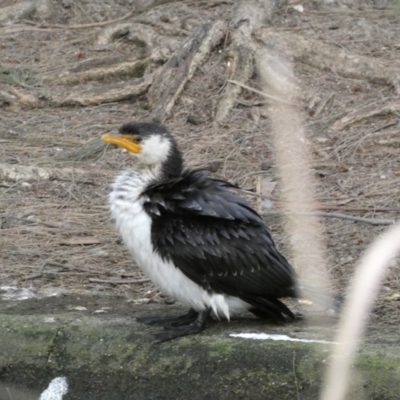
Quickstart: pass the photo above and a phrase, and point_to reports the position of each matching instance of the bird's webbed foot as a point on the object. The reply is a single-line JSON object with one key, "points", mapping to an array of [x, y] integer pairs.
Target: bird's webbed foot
{"points": [[197, 326], [184, 319]]}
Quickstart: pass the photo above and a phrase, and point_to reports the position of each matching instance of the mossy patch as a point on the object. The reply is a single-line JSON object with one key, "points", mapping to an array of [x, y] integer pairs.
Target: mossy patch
{"points": [[118, 360]]}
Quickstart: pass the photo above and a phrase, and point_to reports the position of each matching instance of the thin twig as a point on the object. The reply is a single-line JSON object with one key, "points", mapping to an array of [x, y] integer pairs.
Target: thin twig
{"points": [[371, 221], [46, 224], [41, 272], [118, 281], [36, 275], [9, 188], [360, 209], [260, 93], [328, 206], [64, 266], [84, 26]]}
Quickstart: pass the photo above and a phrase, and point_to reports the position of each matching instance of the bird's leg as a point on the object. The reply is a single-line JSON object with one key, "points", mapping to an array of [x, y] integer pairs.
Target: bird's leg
{"points": [[184, 319], [195, 327]]}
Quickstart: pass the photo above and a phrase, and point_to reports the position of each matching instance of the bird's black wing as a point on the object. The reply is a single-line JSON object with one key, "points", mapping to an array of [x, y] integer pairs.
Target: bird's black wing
{"points": [[216, 239]]}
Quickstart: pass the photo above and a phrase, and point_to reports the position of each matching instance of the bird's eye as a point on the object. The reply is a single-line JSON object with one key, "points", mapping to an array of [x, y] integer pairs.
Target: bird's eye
{"points": [[138, 139]]}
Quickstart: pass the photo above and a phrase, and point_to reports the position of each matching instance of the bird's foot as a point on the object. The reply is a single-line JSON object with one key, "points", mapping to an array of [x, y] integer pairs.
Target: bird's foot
{"points": [[178, 331], [184, 319], [172, 333]]}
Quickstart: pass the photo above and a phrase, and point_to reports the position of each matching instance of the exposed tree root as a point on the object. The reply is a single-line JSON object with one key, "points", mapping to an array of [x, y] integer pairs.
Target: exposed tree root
{"points": [[118, 92], [368, 111], [180, 68], [241, 71], [323, 56], [93, 25], [165, 28], [115, 68], [10, 96], [24, 173], [248, 17], [156, 36], [143, 38]]}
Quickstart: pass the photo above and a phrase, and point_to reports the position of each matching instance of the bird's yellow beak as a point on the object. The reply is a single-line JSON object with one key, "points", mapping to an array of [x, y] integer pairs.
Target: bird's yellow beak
{"points": [[125, 141]]}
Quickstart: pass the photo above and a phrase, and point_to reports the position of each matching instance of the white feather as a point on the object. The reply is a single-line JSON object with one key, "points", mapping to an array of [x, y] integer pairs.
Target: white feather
{"points": [[155, 150]]}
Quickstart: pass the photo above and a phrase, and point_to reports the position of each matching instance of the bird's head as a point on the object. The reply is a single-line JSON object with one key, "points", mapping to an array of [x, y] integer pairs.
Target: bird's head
{"points": [[151, 144]]}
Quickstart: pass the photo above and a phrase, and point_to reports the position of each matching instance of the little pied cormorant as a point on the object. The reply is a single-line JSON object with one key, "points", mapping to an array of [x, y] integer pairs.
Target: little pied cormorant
{"points": [[200, 243]]}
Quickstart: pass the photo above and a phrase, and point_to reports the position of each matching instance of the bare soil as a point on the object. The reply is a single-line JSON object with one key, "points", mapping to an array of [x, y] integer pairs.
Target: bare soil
{"points": [[55, 229]]}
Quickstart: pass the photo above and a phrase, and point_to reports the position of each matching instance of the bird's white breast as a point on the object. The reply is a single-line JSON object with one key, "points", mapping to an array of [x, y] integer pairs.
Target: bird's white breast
{"points": [[134, 225]]}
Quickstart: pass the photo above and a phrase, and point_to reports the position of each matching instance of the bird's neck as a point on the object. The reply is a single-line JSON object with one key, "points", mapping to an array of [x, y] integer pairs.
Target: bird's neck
{"points": [[154, 170], [172, 166], [154, 173]]}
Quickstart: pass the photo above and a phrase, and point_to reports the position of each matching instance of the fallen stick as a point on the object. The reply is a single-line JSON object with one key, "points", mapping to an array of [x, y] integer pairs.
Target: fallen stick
{"points": [[64, 266], [327, 206], [23, 173], [36, 275], [371, 221], [130, 67], [101, 94], [360, 209], [118, 281], [39, 222], [268, 96], [328, 57], [368, 111], [41, 271], [84, 26]]}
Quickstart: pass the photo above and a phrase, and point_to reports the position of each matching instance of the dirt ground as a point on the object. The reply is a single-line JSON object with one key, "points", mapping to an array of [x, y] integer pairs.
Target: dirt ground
{"points": [[55, 228]]}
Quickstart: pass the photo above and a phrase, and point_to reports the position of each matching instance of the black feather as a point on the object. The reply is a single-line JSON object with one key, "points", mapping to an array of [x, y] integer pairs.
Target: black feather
{"points": [[217, 240]]}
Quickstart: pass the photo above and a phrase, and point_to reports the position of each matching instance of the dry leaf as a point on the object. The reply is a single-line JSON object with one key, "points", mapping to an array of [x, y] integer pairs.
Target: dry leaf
{"points": [[255, 114], [393, 297], [267, 187]]}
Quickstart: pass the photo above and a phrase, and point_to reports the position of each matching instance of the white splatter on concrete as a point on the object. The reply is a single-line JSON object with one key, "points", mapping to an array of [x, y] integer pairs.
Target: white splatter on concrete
{"points": [[57, 389], [266, 336], [14, 293]]}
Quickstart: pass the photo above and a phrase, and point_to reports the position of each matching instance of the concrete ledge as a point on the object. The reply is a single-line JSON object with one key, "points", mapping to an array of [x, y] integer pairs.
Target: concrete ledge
{"points": [[107, 355]]}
